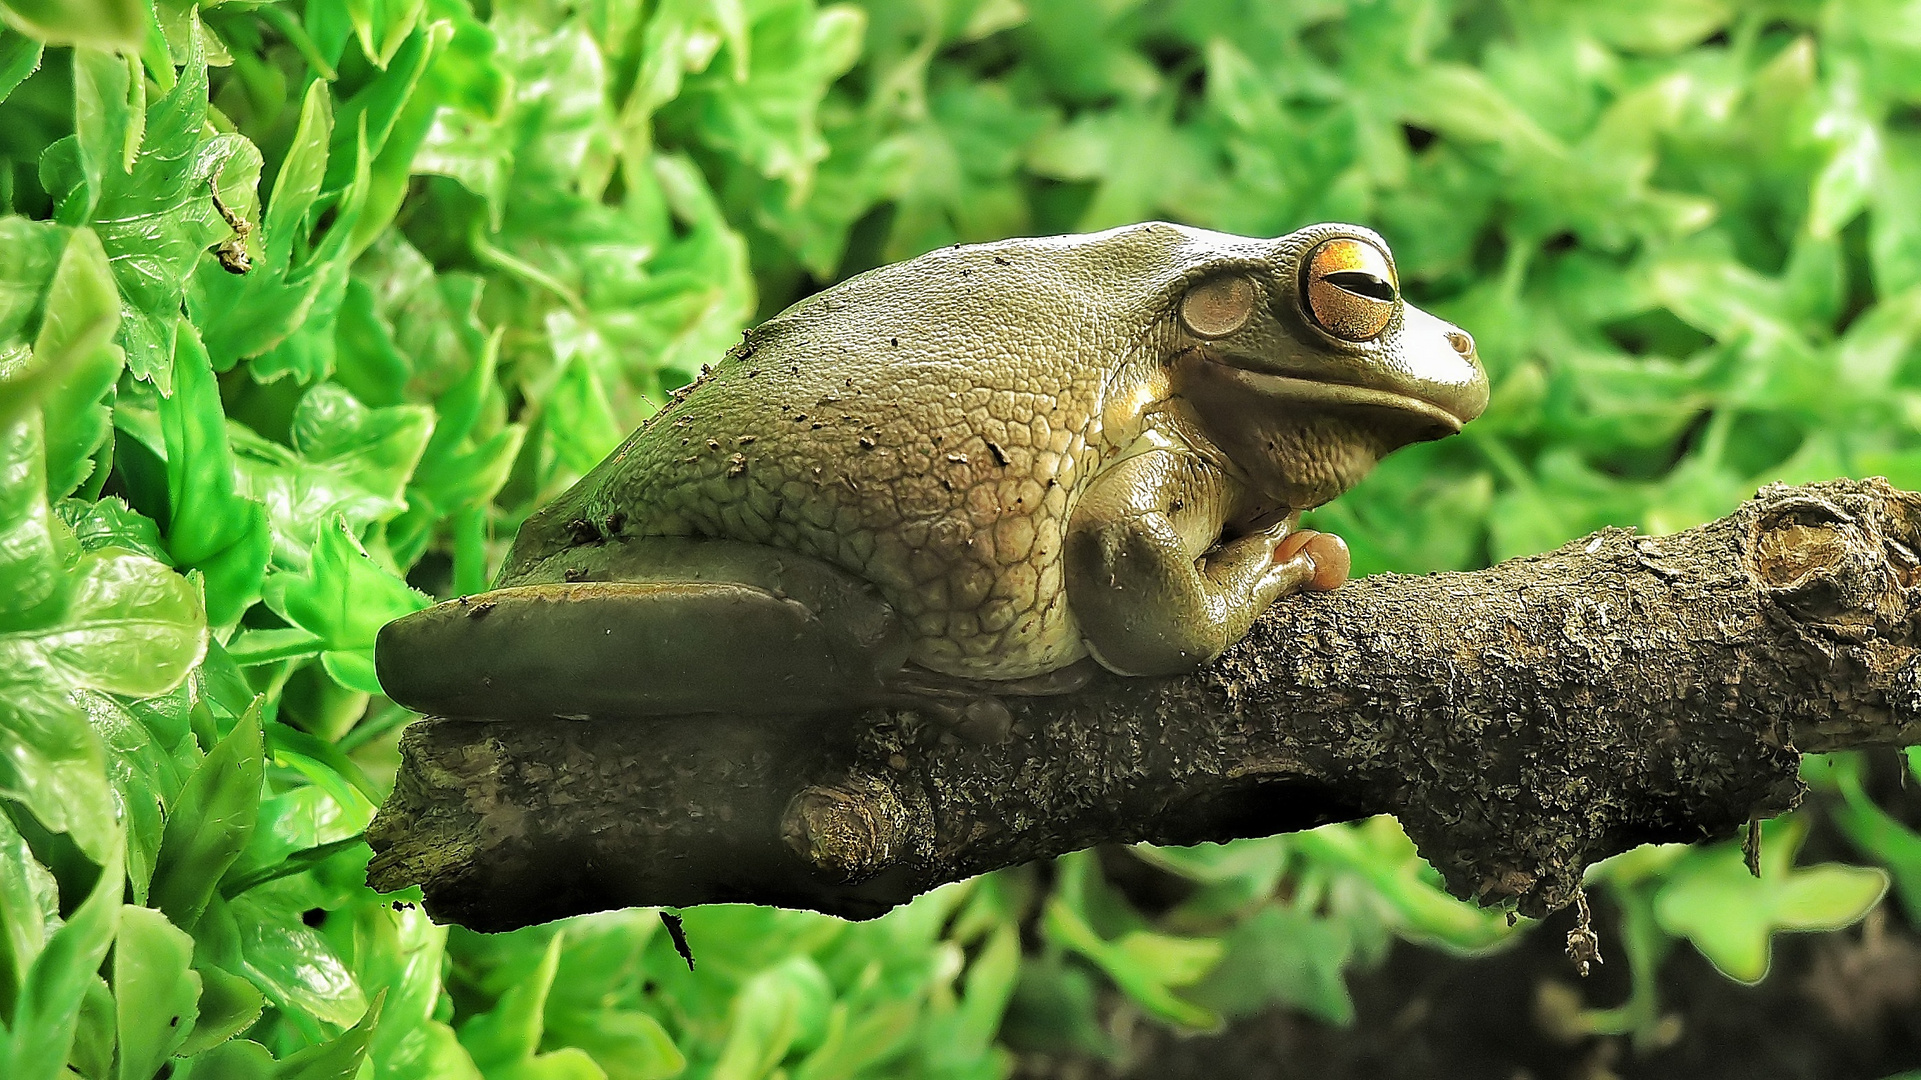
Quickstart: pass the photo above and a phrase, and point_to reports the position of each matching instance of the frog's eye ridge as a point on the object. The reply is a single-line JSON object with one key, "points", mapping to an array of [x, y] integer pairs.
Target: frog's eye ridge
{"points": [[1350, 288]]}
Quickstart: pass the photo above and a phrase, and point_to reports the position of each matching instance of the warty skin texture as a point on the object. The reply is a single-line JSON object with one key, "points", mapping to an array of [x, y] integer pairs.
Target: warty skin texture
{"points": [[1025, 445]]}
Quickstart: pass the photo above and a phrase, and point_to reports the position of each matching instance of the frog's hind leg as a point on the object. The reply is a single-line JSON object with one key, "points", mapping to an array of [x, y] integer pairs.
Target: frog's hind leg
{"points": [[649, 627]]}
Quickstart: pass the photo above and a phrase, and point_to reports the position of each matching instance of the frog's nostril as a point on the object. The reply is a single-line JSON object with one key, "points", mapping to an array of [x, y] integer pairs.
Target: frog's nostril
{"points": [[1463, 343]]}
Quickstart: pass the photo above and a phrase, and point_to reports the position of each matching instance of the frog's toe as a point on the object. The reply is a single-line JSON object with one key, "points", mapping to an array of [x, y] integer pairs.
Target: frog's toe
{"points": [[1332, 561], [1326, 554]]}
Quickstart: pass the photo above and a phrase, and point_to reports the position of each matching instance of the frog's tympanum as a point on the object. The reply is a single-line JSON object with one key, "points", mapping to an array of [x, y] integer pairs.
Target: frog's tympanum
{"points": [[960, 477]]}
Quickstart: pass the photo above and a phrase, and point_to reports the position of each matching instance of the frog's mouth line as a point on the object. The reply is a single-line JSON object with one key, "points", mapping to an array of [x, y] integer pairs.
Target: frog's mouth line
{"points": [[1313, 392]]}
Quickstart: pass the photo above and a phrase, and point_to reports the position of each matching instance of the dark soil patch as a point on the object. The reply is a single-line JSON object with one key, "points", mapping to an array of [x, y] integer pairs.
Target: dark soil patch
{"points": [[1835, 1007]]}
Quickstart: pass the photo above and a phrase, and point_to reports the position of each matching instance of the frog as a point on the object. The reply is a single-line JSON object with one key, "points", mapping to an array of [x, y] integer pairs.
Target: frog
{"points": [[988, 471]]}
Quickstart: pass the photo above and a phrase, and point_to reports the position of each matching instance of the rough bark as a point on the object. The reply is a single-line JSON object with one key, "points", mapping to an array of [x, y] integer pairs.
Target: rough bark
{"points": [[1522, 722]]}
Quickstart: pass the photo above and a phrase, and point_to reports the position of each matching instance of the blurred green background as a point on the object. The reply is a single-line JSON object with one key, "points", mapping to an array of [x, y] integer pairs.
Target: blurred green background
{"points": [[486, 239]]}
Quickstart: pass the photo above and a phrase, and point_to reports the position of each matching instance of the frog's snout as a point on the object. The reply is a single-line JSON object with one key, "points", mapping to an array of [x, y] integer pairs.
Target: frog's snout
{"points": [[1440, 366]]}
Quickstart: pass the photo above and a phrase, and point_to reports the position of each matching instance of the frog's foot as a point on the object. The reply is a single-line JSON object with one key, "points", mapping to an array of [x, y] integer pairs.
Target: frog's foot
{"points": [[974, 709], [1326, 553]]}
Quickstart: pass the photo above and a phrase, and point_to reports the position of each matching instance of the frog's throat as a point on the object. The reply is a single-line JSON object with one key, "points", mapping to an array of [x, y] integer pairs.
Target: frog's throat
{"points": [[1338, 395]]}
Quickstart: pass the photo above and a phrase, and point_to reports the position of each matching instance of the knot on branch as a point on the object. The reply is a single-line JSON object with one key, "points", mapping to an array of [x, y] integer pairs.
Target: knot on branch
{"points": [[850, 831], [1843, 569]]}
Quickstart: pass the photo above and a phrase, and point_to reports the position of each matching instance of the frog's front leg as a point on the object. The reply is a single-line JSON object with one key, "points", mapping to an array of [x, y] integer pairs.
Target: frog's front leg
{"points": [[1151, 586]]}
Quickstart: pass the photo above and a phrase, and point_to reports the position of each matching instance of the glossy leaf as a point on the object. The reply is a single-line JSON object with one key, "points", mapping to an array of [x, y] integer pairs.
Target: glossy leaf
{"points": [[337, 1059], [344, 599], [229, 1004], [210, 823], [156, 993], [48, 1007], [82, 307], [29, 912], [212, 527]]}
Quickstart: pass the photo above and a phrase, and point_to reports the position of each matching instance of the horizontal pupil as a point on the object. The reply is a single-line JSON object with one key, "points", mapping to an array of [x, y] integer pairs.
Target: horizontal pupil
{"points": [[1362, 283]]}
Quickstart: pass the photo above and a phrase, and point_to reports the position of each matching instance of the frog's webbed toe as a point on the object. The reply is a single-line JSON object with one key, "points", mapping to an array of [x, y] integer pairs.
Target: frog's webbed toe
{"points": [[649, 627]]}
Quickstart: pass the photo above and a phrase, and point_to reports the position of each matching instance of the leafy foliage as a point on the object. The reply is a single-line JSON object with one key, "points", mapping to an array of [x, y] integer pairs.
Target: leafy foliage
{"points": [[486, 239]]}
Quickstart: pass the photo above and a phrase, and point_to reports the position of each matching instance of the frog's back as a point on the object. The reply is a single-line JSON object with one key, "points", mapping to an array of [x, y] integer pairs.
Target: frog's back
{"points": [[925, 426]]}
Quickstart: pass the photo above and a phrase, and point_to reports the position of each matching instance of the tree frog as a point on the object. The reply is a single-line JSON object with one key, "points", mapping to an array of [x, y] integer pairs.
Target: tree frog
{"points": [[971, 474]]}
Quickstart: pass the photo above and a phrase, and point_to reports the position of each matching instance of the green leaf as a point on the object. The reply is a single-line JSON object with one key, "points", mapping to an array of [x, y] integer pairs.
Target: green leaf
{"points": [[988, 988], [71, 364], [774, 1010], [155, 220], [626, 1044], [144, 777], [108, 119], [404, 962], [48, 1009], [110, 522], [1379, 852], [1659, 28], [337, 1059], [375, 448], [35, 549], [105, 24], [29, 912], [510, 1031], [82, 306], [19, 58], [1843, 186], [130, 627], [567, 1063], [236, 1060], [108, 620], [53, 766], [1144, 964], [1055, 1009], [296, 281], [1894, 229], [294, 964], [1731, 916], [94, 1042], [578, 421], [344, 598], [229, 1005], [1281, 955], [210, 823], [212, 528], [156, 992], [347, 462], [380, 103]]}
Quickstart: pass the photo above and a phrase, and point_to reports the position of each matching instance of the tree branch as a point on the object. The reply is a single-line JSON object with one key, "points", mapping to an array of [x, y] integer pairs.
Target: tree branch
{"points": [[1522, 722]]}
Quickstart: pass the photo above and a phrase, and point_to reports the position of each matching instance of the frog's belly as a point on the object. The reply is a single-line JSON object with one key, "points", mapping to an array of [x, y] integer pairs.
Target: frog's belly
{"points": [[968, 551]]}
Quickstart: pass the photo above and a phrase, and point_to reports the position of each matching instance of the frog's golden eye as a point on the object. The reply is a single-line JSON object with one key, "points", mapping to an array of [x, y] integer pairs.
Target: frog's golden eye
{"points": [[1351, 288], [1218, 306]]}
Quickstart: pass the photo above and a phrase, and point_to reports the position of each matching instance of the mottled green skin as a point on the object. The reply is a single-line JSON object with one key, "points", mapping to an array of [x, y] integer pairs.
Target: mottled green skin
{"points": [[933, 426], [926, 426]]}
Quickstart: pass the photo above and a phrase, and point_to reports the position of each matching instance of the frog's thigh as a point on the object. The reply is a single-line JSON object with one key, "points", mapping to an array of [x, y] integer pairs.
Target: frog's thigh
{"points": [[625, 648], [1152, 596]]}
